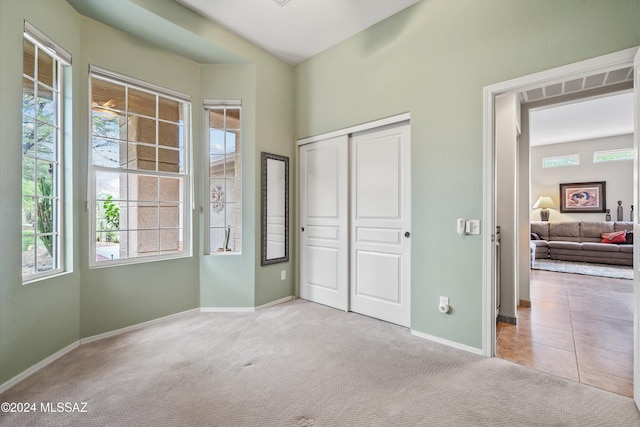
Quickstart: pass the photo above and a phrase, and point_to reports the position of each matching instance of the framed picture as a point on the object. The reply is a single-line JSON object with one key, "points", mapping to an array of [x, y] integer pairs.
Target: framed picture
{"points": [[583, 197]]}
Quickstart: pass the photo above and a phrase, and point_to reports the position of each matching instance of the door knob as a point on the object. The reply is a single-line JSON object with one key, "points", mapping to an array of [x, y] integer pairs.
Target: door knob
{"points": [[407, 234]]}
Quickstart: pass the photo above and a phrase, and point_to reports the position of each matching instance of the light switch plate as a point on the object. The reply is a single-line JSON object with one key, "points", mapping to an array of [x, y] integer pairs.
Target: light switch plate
{"points": [[474, 226]]}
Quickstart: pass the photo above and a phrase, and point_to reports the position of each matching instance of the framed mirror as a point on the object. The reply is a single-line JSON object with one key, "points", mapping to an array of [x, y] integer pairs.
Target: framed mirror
{"points": [[275, 209]]}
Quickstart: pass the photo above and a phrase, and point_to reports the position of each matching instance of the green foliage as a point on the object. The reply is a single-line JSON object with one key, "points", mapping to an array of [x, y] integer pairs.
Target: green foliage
{"points": [[111, 213], [45, 212]]}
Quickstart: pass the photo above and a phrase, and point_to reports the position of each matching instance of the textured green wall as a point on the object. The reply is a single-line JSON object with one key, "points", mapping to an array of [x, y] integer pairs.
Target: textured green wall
{"points": [[433, 59]]}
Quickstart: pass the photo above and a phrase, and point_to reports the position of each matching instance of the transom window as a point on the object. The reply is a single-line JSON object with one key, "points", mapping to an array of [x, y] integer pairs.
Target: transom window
{"points": [[568, 160], [225, 176], [139, 170], [613, 155], [44, 64]]}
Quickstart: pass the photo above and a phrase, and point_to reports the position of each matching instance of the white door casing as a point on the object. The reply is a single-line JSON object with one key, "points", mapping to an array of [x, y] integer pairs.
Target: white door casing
{"points": [[616, 60], [636, 243], [324, 216], [380, 224]]}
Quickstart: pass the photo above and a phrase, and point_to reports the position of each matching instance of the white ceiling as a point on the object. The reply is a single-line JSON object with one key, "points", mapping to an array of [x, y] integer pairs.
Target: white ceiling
{"points": [[300, 28], [592, 118]]}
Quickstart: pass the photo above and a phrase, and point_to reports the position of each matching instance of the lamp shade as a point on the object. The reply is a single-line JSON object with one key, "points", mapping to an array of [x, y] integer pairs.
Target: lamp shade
{"points": [[544, 202]]}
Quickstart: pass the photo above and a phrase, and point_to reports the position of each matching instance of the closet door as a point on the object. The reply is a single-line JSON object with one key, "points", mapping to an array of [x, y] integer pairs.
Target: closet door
{"points": [[324, 255], [380, 223]]}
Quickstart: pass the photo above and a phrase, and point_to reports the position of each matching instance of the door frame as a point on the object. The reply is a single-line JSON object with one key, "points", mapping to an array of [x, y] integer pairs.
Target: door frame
{"points": [[596, 65]]}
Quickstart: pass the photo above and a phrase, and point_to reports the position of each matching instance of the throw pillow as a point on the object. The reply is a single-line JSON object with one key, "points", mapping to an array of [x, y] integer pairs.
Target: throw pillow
{"points": [[629, 237], [615, 237], [535, 236]]}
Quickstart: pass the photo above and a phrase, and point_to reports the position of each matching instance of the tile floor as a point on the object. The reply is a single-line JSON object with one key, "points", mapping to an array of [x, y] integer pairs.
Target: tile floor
{"points": [[579, 327]]}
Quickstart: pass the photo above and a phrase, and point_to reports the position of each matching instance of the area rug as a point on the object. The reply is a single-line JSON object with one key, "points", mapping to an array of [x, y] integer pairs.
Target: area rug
{"points": [[601, 270]]}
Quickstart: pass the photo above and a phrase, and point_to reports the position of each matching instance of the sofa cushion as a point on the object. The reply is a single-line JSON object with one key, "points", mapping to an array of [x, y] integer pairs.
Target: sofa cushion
{"points": [[629, 238], [615, 237], [574, 246], [623, 225], [565, 231], [604, 247], [541, 228], [626, 248], [592, 231]]}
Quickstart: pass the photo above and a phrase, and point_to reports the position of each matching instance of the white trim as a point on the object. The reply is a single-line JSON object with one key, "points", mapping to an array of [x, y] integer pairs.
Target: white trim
{"points": [[133, 327], [246, 309], [104, 74], [358, 128], [35, 35], [227, 309], [447, 342], [44, 362], [213, 103], [276, 302], [35, 368], [603, 63]]}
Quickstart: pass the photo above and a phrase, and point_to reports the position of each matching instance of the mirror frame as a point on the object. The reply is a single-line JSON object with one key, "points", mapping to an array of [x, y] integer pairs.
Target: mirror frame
{"points": [[285, 258]]}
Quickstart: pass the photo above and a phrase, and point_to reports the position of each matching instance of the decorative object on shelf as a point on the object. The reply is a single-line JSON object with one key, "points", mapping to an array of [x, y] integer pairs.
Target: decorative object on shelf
{"points": [[544, 203], [607, 217], [631, 214], [583, 197], [620, 213], [227, 235]]}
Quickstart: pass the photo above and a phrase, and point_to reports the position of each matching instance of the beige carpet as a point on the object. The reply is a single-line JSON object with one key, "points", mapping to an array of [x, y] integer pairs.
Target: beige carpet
{"points": [[301, 364]]}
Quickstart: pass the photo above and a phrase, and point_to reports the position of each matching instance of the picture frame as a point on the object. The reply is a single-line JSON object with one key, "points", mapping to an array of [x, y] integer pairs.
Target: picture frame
{"points": [[583, 197]]}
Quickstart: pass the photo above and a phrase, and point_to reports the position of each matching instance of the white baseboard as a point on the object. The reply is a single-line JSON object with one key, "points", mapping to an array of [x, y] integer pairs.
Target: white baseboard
{"points": [[35, 368], [447, 342], [24, 375], [276, 302], [227, 309], [245, 309], [102, 336]]}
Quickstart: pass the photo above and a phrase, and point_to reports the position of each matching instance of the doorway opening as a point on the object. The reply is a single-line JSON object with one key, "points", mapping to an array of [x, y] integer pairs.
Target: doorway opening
{"points": [[553, 313]]}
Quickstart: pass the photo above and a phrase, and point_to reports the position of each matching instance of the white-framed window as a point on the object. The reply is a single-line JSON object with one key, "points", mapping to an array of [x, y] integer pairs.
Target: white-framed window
{"points": [[613, 155], [139, 174], [224, 153], [44, 66], [555, 161]]}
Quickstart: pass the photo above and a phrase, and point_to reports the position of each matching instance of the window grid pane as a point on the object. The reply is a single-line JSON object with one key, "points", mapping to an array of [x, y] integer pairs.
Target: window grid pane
{"points": [[139, 174], [41, 158], [225, 183]]}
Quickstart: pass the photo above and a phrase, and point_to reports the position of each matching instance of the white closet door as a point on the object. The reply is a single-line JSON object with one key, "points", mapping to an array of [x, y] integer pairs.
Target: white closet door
{"points": [[380, 224], [324, 216]]}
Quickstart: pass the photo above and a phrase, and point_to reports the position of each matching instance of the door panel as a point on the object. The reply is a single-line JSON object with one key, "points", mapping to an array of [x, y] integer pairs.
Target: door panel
{"points": [[379, 276], [380, 217], [324, 256]]}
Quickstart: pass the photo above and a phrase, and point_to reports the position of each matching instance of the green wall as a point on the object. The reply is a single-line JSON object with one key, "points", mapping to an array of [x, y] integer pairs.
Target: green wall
{"points": [[41, 318], [433, 59], [119, 296]]}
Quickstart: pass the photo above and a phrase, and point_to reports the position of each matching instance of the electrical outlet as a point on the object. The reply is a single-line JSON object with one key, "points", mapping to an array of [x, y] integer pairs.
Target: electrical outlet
{"points": [[283, 274]]}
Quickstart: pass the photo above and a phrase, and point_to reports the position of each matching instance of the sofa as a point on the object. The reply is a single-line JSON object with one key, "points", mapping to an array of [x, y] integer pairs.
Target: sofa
{"points": [[583, 241]]}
